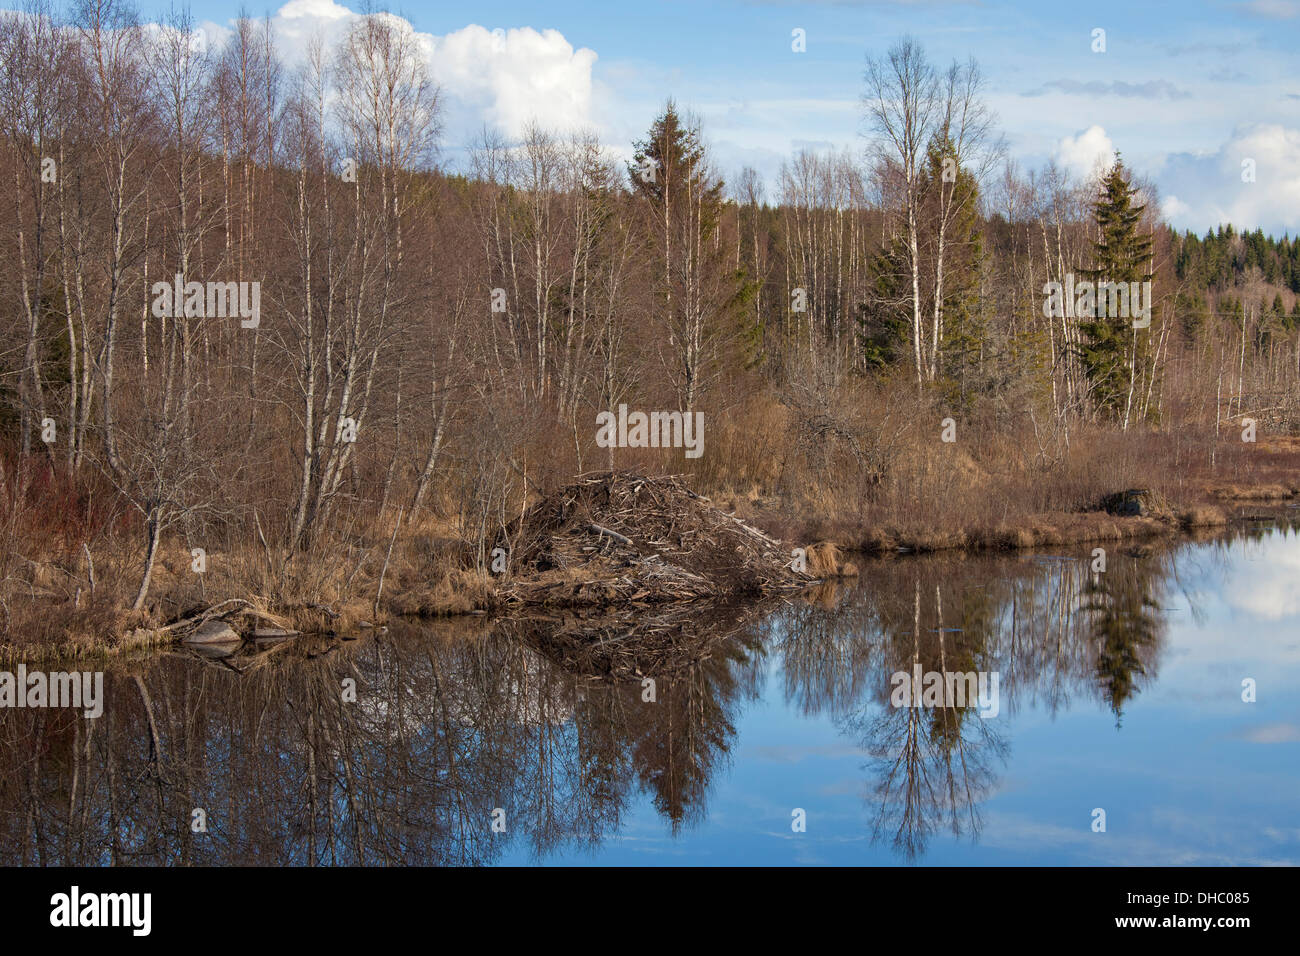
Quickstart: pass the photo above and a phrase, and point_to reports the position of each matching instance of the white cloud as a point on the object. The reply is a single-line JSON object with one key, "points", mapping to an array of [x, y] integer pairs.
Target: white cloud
{"points": [[1263, 586], [1205, 189], [1174, 209], [502, 77], [1273, 734], [516, 75], [1088, 153], [1274, 9], [327, 9]]}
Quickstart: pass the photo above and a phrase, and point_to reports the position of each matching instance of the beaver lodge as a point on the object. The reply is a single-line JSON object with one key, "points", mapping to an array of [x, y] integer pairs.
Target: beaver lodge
{"points": [[626, 539]]}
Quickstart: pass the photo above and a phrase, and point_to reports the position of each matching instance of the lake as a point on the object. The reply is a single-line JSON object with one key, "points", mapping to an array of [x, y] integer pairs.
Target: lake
{"points": [[1157, 697]]}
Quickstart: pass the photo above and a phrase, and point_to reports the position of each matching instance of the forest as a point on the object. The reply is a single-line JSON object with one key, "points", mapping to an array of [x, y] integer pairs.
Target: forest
{"points": [[259, 340]]}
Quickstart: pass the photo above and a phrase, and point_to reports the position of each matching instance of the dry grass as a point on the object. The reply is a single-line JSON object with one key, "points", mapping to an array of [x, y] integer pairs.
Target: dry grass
{"points": [[846, 468], [826, 561], [458, 591], [992, 491]]}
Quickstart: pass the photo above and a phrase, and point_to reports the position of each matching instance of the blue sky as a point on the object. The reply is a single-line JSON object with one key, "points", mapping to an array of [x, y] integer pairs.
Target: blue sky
{"points": [[1186, 91]]}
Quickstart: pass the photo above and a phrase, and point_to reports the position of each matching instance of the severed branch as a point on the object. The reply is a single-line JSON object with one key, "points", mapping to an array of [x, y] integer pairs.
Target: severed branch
{"points": [[621, 539], [214, 611]]}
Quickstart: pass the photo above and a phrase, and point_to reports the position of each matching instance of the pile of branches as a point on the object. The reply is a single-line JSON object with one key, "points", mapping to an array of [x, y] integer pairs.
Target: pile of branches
{"points": [[604, 645], [632, 540]]}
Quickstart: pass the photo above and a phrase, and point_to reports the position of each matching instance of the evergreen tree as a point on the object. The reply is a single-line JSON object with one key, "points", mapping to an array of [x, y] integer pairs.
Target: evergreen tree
{"points": [[963, 336], [884, 320], [1112, 351], [702, 302], [1194, 315]]}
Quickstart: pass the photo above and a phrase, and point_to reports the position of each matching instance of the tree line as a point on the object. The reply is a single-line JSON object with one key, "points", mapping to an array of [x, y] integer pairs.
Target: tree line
{"points": [[436, 343]]}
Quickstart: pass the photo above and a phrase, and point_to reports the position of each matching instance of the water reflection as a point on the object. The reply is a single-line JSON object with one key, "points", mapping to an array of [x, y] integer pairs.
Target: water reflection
{"points": [[450, 722], [566, 724], [1048, 627]]}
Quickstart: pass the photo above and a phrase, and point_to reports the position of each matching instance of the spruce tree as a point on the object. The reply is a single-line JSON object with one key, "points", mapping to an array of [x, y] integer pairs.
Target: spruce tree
{"points": [[701, 301], [1111, 350], [964, 335]]}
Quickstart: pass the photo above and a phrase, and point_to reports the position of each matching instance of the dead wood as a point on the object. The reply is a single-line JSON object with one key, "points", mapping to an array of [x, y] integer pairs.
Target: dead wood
{"points": [[633, 540]]}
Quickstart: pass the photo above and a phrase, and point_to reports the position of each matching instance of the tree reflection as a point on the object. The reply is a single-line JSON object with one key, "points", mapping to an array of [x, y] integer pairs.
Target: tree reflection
{"points": [[447, 727], [1039, 622], [931, 765], [1126, 626], [545, 718]]}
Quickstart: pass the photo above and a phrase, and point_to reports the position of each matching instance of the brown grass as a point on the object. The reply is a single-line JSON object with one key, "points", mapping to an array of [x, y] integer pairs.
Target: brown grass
{"points": [[826, 561], [864, 470]]}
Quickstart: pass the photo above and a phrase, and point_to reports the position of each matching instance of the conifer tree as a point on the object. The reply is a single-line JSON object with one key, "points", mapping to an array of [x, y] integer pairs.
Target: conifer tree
{"points": [[700, 300], [1112, 352], [961, 327]]}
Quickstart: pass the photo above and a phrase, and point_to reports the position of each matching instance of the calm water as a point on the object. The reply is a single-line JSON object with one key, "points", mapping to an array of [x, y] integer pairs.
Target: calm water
{"points": [[1120, 691]]}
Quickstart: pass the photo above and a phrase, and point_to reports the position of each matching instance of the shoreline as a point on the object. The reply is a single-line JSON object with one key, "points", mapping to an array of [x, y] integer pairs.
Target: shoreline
{"points": [[464, 594]]}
